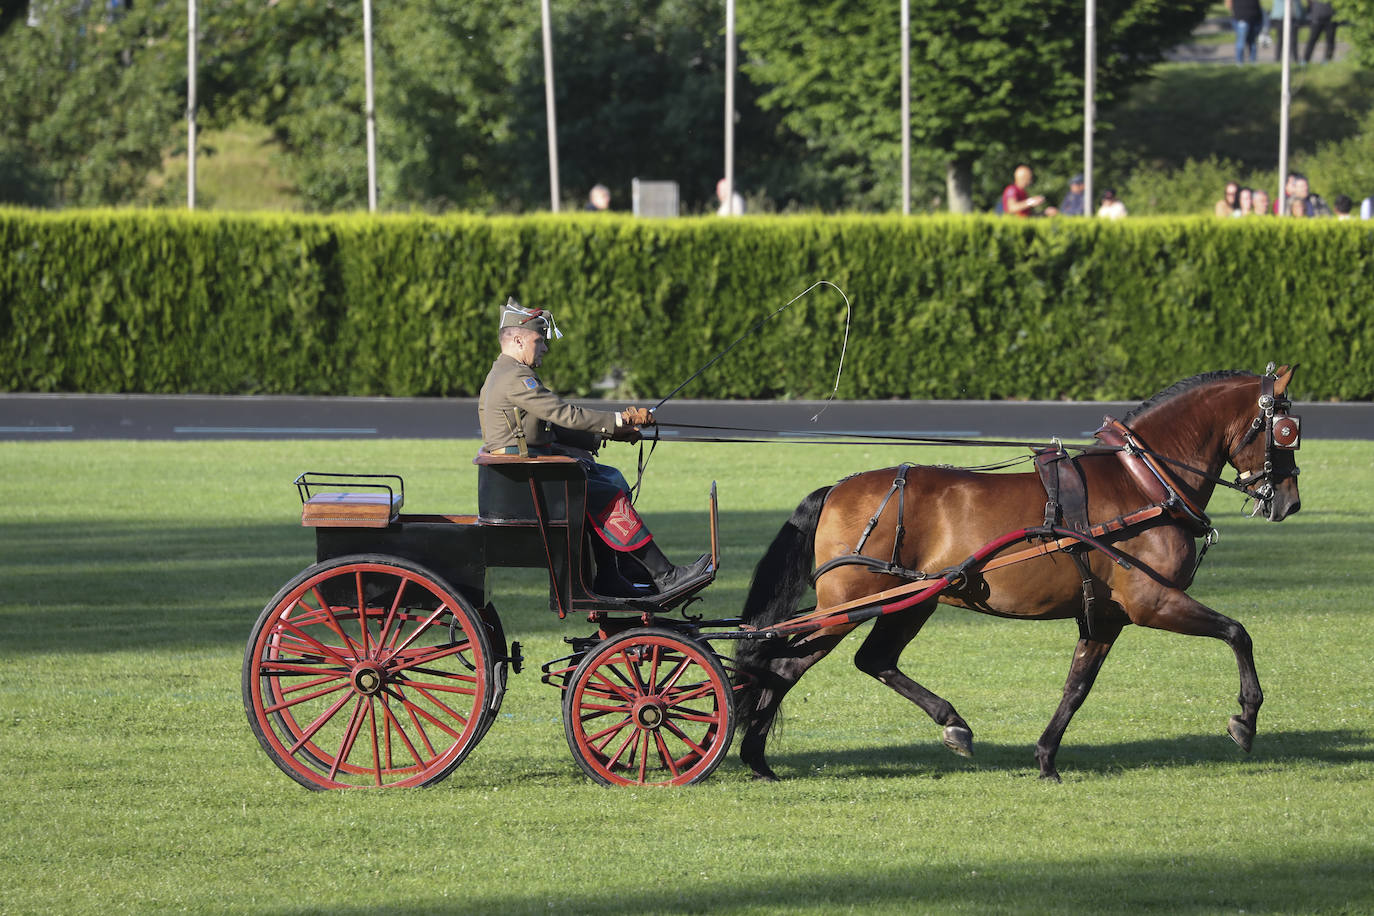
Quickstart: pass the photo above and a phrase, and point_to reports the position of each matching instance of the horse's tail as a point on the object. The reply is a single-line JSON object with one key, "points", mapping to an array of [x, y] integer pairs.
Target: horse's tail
{"points": [[780, 580]]}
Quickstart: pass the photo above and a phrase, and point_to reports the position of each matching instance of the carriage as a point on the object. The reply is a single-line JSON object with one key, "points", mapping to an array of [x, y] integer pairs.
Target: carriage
{"points": [[385, 662]]}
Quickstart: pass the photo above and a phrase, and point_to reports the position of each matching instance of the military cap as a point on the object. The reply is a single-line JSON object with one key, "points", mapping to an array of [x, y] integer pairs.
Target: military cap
{"points": [[513, 315]]}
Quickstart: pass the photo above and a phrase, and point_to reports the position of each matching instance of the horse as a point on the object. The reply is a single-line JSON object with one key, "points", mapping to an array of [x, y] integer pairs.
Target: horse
{"points": [[1167, 453]]}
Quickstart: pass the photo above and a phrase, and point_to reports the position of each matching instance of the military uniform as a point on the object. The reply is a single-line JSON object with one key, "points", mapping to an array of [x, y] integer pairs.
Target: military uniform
{"points": [[514, 406], [520, 416]]}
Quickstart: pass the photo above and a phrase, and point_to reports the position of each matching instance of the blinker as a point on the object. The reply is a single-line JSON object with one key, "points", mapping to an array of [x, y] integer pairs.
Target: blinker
{"points": [[1287, 432]]}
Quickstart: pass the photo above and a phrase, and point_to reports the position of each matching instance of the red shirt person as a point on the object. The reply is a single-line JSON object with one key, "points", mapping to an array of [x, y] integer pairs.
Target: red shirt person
{"points": [[1016, 197]]}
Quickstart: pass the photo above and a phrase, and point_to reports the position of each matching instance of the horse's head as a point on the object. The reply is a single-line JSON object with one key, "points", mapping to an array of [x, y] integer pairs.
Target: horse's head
{"points": [[1264, 455]]}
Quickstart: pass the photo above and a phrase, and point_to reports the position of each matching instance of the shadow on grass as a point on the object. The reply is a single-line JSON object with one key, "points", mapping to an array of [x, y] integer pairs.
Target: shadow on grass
{"points": [[1190, 882], [1333, 747]]}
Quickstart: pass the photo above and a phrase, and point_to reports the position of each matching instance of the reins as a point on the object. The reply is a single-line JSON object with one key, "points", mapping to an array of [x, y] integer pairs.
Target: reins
{"points": [[758, 435]]}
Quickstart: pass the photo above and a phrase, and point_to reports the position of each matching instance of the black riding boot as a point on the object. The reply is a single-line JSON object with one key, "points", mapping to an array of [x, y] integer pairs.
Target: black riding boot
{"points": [[666, 576]]}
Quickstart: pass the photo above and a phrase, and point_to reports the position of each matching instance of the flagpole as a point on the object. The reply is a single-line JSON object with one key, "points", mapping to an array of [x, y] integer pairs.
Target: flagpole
{"points": [[550, 114], [371, 110], [191, 20]]}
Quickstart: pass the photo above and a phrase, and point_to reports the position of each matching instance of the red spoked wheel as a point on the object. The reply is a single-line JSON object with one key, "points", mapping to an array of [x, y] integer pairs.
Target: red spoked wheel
{"points": [[649, 707], [368, 671]]}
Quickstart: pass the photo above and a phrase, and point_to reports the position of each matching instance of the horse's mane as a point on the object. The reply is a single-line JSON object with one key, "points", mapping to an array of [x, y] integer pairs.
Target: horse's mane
{"points": [[1178, 388]]}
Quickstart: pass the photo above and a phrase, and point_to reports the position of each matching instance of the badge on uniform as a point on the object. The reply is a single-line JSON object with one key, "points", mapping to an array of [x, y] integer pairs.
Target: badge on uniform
{"points": [[531, 383]]}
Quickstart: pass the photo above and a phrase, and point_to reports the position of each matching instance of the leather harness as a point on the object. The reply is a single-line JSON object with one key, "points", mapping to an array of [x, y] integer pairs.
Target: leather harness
{"points": [[1066, 527]]}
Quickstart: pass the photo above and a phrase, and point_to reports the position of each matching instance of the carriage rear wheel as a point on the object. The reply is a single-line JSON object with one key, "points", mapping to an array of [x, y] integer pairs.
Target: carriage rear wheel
{"points": [[368, 671], [649, 707]]}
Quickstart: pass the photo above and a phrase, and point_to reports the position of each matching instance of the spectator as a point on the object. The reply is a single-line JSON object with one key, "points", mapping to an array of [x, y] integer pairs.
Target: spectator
{"points": [[1111, 207], [1342, 203], [1312, 204], [1367, 208], [1246, 18], [1247, 202], [1016, 198], [599, 200], [1230, 202], [1276, 16], [1261, 202], [1320, 18], [1072, 204], [1296, 208], [735, 206]]}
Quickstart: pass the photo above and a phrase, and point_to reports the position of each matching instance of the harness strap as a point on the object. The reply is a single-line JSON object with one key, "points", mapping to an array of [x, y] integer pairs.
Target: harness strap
{"points": [[1152, 476], [898, 487]]}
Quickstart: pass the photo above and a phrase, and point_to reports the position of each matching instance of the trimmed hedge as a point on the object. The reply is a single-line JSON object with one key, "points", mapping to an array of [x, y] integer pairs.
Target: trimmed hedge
{"points": [[944, 307]]}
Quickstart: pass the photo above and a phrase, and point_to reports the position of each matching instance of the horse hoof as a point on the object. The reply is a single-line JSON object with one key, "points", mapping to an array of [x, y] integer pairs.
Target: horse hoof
{"points": [[959, 740], [1240, 733], [768, 776], [1050, 776]]}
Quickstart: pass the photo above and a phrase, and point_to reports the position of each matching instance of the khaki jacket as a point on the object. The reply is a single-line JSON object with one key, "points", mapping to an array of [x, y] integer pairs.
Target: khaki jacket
{"points": [[510, 385]]}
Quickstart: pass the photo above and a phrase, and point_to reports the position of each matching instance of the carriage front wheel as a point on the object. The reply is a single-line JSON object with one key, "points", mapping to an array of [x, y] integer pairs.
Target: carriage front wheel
{"points": [[649, 707], [368, 671]]}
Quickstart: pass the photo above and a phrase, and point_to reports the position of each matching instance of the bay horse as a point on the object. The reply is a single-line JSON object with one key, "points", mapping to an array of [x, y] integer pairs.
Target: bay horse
{"points": [[1167, 454]]}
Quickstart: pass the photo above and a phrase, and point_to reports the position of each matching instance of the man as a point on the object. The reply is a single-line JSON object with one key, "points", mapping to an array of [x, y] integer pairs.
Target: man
{"points": [[1016, 199], [1072, 204], [1312, 204], [521, 416], [732, 207], [599, 199]]}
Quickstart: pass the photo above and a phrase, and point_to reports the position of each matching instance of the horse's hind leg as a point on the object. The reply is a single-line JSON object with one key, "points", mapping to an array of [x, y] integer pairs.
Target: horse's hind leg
{"points": [[784, 667], [878, 657], [1088, 657]]}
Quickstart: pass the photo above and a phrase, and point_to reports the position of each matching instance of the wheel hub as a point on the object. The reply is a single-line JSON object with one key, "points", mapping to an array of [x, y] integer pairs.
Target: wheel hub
{"points": [[367, 679], [650, 713]]}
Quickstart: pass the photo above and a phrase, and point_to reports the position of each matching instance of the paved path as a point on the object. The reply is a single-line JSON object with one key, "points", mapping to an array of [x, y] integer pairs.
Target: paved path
{"points": [[33, 417]]}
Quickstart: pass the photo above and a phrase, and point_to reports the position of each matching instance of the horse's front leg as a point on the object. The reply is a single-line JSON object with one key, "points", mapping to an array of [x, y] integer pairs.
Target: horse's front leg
{"points": [[1179, 613], [1088, 657]]}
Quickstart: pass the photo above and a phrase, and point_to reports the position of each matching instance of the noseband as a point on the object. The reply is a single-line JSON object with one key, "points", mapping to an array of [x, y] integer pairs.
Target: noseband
{"points": [[1281, 432]]}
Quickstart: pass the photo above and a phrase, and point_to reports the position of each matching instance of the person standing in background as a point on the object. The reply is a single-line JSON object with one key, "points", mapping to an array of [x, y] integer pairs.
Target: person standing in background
{"points": [[1320, 19], [1246, 19], [735, 205]]}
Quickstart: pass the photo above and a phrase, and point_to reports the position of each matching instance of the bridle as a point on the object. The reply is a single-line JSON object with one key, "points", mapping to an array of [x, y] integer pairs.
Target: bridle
{"points": [[1282, 432]]}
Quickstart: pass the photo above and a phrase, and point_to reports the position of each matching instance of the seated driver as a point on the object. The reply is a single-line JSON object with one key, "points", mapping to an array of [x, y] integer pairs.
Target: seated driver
{"points": [[520, 416]]}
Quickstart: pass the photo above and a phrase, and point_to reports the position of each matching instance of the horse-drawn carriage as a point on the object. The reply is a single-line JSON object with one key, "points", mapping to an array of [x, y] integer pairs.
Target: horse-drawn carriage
{"points": [[385, 662]]}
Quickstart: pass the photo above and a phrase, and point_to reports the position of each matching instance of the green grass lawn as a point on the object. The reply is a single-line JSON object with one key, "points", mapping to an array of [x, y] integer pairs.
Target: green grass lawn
{"points": [[133, 572]]}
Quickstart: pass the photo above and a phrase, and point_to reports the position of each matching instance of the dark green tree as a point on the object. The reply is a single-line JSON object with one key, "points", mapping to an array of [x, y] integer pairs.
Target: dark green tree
{"points": [[1358, 17], [991, 81], [640, 91], [92, 101]]}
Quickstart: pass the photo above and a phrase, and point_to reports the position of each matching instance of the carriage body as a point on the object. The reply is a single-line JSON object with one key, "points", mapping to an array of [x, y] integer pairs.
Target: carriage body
{"points": [[385, 662]]}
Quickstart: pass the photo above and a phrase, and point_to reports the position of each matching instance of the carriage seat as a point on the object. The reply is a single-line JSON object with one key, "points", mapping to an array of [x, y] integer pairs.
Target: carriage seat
{"points": [[503, 488]]}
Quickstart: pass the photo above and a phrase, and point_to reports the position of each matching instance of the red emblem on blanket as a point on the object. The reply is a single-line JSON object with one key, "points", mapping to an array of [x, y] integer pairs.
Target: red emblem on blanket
{"points": [[620, 525]]}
